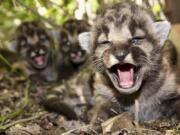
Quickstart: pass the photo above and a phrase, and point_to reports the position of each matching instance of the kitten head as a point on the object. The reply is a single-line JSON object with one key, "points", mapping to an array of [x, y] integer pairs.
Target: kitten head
{"points": [[33, 44], [126, 45], [69, 43]]}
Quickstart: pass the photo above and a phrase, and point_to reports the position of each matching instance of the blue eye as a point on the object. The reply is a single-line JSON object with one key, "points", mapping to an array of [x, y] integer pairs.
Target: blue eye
{"points": [[137, 40], [24, 44], [42, 37]]}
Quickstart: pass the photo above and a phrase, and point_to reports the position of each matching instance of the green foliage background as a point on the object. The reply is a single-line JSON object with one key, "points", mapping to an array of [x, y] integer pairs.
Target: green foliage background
{"points": [[55, 12]]}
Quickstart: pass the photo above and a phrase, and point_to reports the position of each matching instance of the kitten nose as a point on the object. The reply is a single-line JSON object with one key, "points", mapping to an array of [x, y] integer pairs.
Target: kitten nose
{"points": [[73, 55], [120, 55], [76, 53]]}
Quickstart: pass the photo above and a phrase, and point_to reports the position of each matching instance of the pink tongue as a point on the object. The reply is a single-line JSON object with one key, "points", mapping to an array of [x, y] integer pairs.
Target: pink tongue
{"points": [[39, 60], [126, 75]]}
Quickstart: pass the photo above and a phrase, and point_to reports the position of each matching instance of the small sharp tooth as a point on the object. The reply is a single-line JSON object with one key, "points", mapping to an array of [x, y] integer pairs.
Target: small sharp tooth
{"points": [[33, 54], [41, 51]]}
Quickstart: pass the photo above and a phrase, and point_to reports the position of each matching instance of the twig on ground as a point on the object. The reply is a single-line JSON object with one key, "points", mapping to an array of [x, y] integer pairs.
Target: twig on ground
{"points": [[80, 128]]}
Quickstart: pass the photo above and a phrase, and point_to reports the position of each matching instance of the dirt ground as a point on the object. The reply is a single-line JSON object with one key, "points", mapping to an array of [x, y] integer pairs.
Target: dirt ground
{"points": [[22, 112]]}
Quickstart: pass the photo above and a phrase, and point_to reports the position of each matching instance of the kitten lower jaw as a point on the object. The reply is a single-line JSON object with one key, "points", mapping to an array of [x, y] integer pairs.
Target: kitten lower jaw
{"points": [[130, 87], [41, 66], [79, 61]]}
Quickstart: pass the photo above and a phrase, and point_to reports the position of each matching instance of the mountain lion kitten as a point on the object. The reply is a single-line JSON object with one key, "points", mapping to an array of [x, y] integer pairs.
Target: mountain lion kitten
{"points": [[35, 47], [74, 56], [134, 67]]}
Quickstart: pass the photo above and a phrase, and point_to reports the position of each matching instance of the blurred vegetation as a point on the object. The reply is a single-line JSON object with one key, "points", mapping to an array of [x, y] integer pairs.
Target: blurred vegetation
{"points": [[52, 12]]}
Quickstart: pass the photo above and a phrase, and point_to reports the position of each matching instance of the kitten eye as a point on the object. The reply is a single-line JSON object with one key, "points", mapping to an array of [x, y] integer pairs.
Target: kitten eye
{"points": [[137, 40], [104, 42], [68, 43], [42, 37], [66, 46], [23, 44]]}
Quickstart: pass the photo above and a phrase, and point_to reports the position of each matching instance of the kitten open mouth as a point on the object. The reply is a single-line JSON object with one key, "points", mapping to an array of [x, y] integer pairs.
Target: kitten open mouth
{"points": [[78, 59], [125, 76], [39, 60]]}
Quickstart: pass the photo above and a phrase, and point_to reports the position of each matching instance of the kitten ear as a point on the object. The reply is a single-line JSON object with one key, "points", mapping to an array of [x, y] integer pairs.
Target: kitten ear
{"points": [[12, 46], [84, 41], [162, 29]]}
